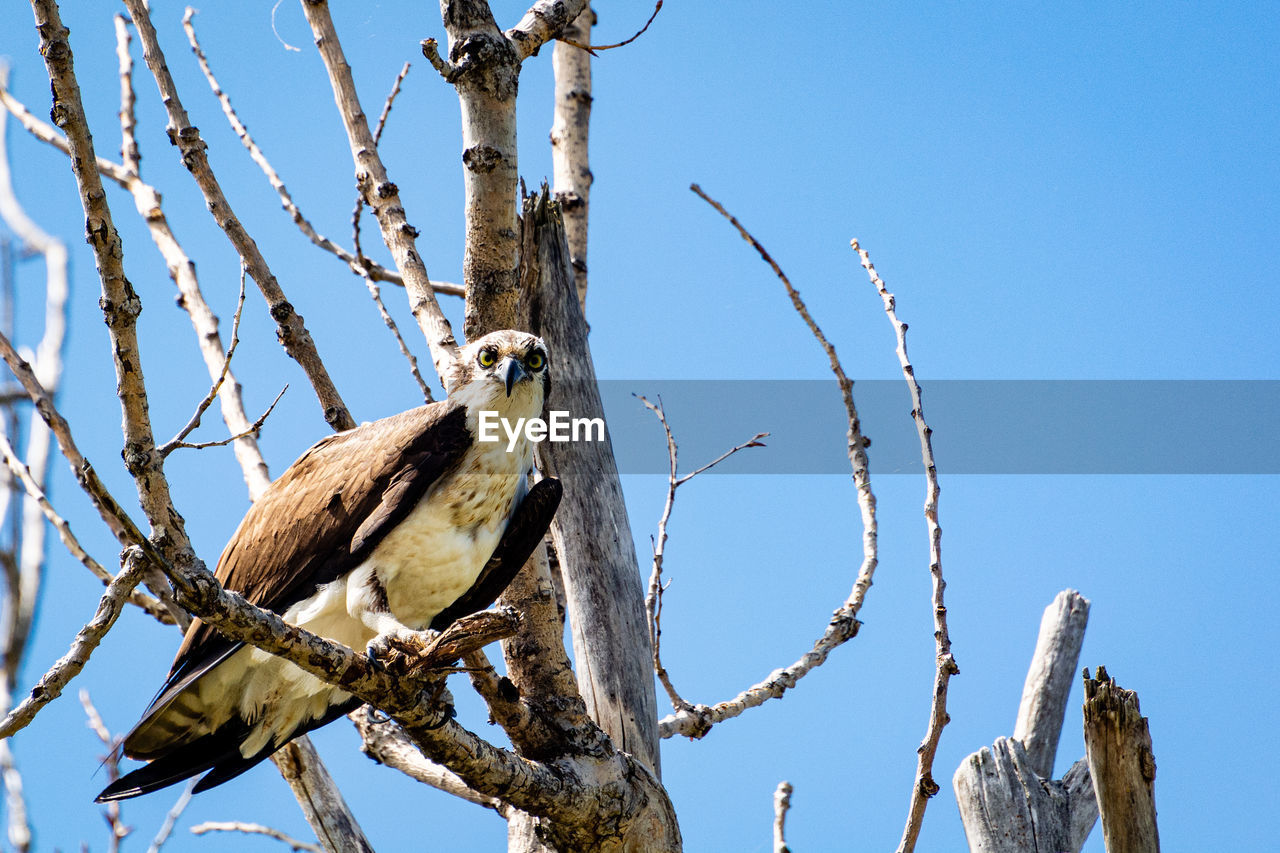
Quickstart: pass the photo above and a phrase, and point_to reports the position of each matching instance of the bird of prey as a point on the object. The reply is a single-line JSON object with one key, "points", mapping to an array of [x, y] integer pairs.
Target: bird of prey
{"points": [[396, 526]]}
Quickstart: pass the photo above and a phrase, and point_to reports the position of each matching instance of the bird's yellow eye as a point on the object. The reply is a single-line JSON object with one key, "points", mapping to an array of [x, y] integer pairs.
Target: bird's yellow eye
{"points": [[535, 360], [487, 357]]}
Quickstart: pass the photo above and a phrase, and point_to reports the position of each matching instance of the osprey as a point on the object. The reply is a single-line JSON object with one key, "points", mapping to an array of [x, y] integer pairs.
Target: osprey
{"points": [[396, 526]]}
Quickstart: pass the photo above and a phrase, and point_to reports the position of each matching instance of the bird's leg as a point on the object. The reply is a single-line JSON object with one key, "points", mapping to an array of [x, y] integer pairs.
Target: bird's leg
{"points": [[394, 643], [398, 646]]}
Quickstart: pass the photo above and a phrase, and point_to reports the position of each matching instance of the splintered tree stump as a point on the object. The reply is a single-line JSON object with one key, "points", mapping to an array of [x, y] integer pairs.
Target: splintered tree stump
{"points": [[1122, 765], [1008, 800]]}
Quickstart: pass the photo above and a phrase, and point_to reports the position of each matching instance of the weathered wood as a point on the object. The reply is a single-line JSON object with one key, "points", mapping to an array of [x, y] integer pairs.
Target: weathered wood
{"points": [[321, 801], [591, 531], [1048, 684], [1006, 800], [1007, 808], [1122, 765]]}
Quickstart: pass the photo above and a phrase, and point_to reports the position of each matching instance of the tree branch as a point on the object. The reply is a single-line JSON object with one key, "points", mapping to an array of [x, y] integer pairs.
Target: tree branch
{"points": [[1117, 742], [570, 130], [153, 607], [50, 685], [1048, 685], [358, 263], [382, 196], [584, 44], [1008, 801], [386, 743], [781, 805], [111, 760], [171, 818], [322, 802], [925, 787], [291, 330], [604, 598], [844, 622], [374, 291], [545, 20], [120, 304], [653, 600], [485, 72], [191, 299], [255, 829]]}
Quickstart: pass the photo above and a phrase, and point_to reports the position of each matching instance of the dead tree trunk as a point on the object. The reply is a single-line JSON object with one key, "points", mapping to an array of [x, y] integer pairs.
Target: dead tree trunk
{"points": [[1121, 764], [591, 530], [1007, 802]]}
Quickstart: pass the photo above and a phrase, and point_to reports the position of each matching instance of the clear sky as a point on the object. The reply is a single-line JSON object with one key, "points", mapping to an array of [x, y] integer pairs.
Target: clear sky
{"points": [[1080, 192]]}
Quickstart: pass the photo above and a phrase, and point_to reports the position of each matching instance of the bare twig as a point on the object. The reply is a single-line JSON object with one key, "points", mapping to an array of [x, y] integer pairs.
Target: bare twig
{"points": [[377, 137], [129, 156], [223, 442], [781, 805], [171, 818], [844, 622], [653, 600], [356, 261], [24, 476], [925, 787], [592, 48], [111, 760], [256, 829], [50, 685], [292, 331], [192, 424], [374, 291], [386, 106], [382, 196]]}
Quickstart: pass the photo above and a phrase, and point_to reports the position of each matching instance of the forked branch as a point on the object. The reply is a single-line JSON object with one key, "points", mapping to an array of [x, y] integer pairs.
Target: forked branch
{"points": [[653, 600]]}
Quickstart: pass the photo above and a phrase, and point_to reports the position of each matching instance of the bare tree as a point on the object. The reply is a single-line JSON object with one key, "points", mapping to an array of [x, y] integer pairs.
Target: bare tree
{"points": [[583, 769]]}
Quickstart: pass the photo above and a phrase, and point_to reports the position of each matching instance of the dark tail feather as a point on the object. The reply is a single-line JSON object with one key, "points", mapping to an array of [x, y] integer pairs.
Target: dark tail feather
{"points": [[219, 751], [183, 763], [237, 764]]}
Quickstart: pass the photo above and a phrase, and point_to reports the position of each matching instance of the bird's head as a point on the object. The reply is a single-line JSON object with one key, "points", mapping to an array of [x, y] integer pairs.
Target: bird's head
{"points": [[506, 371]]}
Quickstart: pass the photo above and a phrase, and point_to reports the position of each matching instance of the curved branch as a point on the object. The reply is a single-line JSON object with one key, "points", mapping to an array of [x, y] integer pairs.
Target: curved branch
{"points": [[925, 787], [844, 622]]}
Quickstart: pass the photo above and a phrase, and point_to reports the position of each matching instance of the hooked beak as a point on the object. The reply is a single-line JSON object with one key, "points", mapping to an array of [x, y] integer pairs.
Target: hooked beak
{"points": [[513, 374]]}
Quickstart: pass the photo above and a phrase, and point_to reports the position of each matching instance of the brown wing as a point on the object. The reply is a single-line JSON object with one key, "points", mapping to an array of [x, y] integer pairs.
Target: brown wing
{"points": [[324, 515]]}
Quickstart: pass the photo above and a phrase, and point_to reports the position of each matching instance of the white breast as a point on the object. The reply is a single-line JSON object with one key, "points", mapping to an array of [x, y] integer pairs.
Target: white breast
{"points": [[435, 555]]}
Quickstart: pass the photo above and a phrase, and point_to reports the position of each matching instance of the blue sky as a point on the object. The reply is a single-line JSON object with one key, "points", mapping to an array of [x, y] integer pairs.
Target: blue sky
{"points": [[1085, 192]]}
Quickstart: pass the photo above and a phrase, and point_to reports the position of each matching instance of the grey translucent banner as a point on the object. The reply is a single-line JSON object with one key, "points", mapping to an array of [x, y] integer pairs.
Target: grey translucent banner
{"points": [[980, 426]]}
